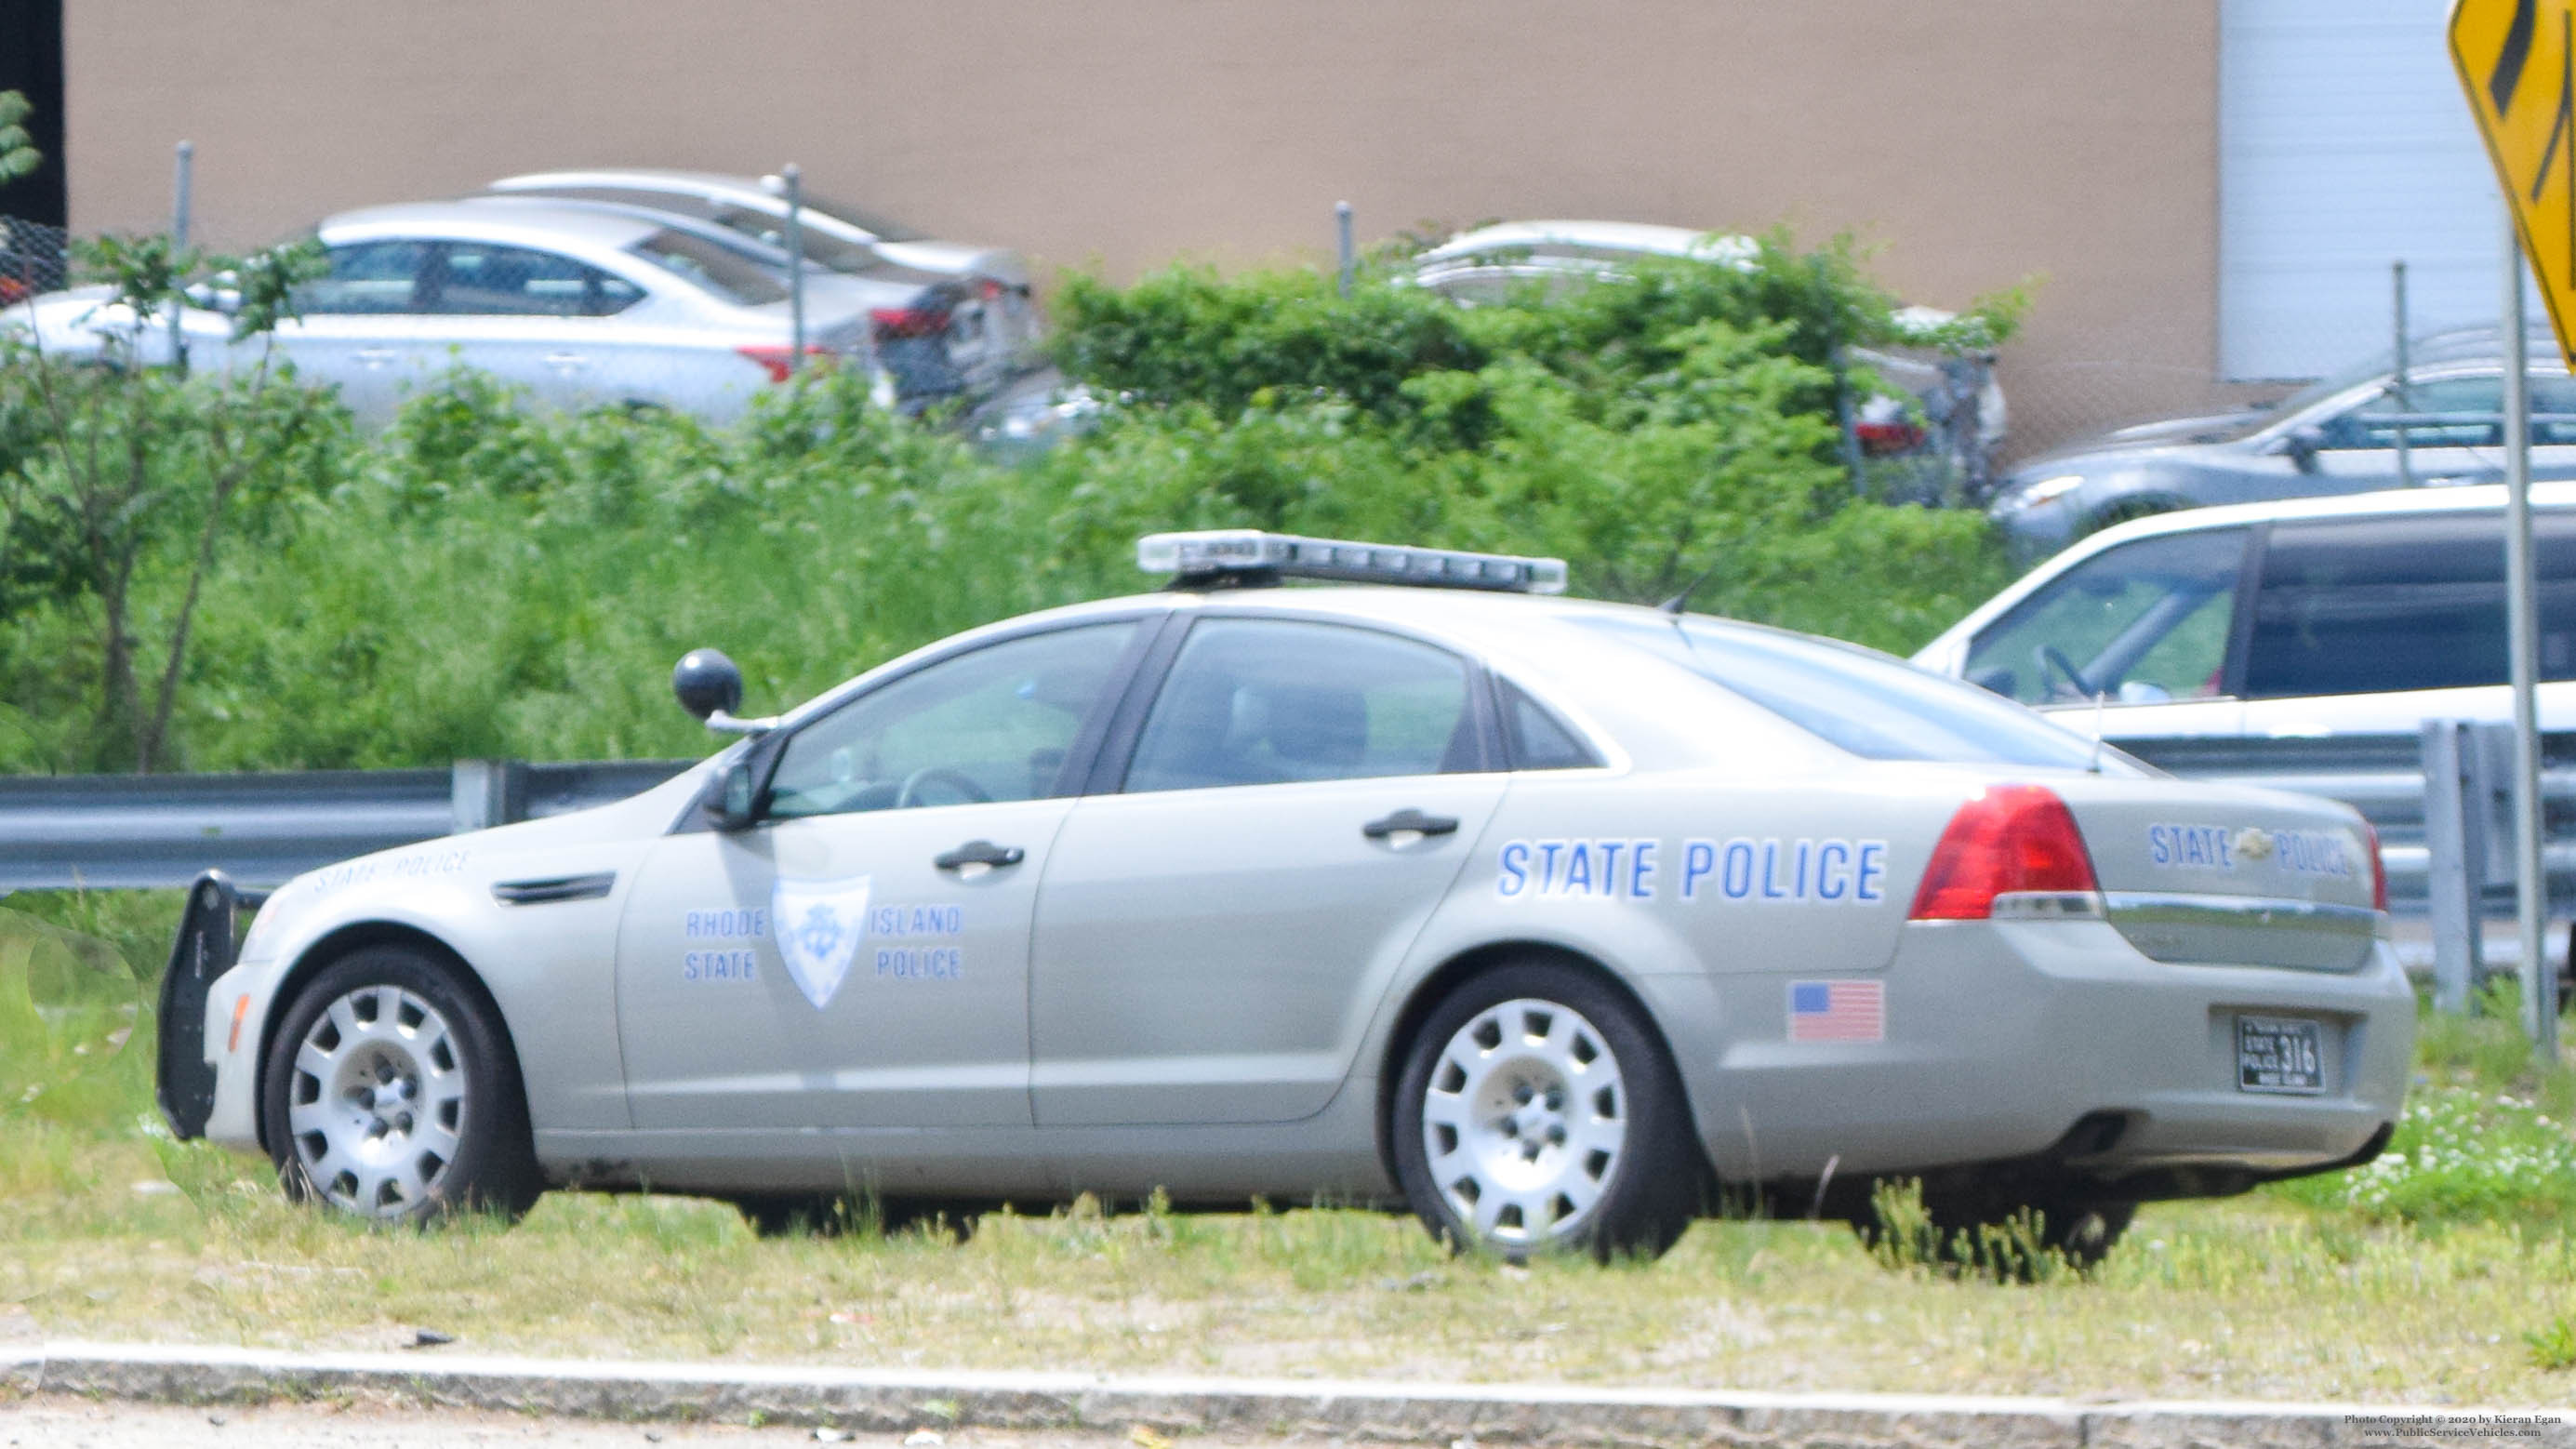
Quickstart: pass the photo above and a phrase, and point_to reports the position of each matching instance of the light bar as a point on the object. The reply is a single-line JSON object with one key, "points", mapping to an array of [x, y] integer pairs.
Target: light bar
{"points": [[1236, 552]]}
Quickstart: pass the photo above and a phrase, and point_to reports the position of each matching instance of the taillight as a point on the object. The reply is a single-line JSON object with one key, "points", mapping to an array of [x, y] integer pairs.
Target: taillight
{"points": [[772, 357], [2378, 870], [2009, 839], [908, 321]]}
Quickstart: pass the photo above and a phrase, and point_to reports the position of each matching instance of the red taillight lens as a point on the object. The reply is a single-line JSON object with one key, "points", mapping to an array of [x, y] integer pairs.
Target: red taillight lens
{"points": [[908, 321], [2378, 870], [2010, 838], [771, 357]]}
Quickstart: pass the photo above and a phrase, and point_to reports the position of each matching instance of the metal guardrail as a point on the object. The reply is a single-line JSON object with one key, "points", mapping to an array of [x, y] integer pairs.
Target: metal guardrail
{"points": [[120, 831]]}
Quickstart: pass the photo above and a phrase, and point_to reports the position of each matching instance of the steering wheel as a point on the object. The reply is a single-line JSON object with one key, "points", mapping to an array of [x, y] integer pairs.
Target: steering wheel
{"points": [[909, 794], [2052, 660]]}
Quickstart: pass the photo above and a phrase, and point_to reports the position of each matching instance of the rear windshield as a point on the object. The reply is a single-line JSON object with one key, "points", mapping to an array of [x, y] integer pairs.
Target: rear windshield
{"points": [[714, 267], [1874, 706]]}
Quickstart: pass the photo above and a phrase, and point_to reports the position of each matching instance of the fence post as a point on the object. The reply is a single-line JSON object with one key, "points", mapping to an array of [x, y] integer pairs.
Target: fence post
{"points": [[1342, 232], [182, 203], [2455, 844], [486, 793], [795, 178], [2405, 402]]}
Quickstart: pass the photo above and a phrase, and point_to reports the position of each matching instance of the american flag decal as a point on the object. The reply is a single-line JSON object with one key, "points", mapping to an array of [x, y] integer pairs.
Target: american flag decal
{"points": [[1837, 1011]]}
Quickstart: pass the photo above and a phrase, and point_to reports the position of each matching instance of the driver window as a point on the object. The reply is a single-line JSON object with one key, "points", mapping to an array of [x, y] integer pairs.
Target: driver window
{"points": [[2473, 403], [2144, 623], [994, 724]]}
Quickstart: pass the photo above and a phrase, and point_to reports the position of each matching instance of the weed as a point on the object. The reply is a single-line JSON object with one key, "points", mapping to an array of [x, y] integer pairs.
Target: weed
{"points": [[2554, 1347]]}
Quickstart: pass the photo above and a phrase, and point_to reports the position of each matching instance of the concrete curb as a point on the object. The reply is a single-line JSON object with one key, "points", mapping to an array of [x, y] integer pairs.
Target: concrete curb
{"points": [[894, 1401]]}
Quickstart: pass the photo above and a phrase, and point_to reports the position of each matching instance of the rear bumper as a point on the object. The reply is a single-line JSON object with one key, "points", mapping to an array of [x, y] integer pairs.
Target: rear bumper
{"points": [[2002, 1039]]}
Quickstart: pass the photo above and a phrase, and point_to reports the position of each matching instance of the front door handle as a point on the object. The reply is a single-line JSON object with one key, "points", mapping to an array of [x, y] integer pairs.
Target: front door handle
{"points": [[1410, 821], [980, 852]]}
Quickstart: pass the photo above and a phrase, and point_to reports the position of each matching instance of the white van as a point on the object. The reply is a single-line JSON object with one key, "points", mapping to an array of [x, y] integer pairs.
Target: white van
{"points": [[2361, 615]]}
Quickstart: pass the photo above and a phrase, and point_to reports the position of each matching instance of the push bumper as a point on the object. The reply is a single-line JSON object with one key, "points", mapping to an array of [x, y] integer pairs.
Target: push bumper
{"points": [[184, 1075]]}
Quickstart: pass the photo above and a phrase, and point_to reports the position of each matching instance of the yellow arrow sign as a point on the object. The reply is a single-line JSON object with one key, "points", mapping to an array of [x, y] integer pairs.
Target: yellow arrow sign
{"points": [[2517, 61]]}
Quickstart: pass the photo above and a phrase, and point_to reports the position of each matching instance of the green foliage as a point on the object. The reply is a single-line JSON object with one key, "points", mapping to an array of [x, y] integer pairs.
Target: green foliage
{"points": [[2485, 1137], [69, 1006], [2553, 1347], [485, 578], [18, 154]]}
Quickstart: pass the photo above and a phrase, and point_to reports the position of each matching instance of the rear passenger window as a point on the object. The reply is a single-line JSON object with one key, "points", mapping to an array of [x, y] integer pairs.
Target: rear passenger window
{"points": [[2366, 606], [1270, 701]]}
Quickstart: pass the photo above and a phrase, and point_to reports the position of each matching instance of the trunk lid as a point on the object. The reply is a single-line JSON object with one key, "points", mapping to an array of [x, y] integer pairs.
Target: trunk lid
{"points": [[2229, 875]]}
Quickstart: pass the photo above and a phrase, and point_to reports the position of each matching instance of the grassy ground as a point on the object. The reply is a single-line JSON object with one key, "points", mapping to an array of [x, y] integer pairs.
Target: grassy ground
{"points": [[2431, 1283]]}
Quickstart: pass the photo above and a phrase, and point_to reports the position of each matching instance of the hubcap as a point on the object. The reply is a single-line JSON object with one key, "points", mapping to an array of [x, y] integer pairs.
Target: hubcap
{"points": [[376, 1104], [1524, 1121]]}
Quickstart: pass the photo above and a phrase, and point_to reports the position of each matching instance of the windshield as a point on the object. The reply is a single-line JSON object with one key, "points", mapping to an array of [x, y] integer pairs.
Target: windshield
{"points": [[837, 253], [713, 267], [866, 221], [1874, 706]]}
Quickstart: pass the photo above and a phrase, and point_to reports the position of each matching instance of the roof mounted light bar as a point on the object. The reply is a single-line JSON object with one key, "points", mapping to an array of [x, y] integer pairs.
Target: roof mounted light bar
{"points": [[1232, 557]]}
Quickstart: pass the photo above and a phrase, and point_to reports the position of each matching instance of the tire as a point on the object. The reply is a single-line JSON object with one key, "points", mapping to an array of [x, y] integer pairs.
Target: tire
{"points": [[391, 1094], [1981, 1231], [1538, 1112]]}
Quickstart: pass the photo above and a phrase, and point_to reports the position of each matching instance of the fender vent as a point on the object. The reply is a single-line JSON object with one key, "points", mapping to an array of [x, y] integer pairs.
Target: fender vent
{"points": [[554, 888]]}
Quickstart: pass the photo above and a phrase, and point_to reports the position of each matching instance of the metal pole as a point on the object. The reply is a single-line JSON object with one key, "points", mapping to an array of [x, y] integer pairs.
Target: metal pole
{"points": [[182, 183], [795, 178], [2531, 894], [1342, 226], [2405, 403]]}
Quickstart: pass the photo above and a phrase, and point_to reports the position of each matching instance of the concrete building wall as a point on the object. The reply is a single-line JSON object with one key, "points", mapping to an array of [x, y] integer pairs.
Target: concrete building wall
{"points": [[1974, 142]]}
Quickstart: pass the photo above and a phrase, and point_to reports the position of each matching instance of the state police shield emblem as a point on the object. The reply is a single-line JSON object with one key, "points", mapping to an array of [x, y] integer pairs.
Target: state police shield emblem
{"points": [[819, 923]]}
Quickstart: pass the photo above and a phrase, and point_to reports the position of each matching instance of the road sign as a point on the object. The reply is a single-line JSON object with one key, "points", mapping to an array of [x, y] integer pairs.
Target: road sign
{"points": [[2517, 62]]}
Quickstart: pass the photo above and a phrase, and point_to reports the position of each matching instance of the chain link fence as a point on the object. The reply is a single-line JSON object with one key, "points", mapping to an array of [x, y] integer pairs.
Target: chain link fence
{"points": [[34, 258]]}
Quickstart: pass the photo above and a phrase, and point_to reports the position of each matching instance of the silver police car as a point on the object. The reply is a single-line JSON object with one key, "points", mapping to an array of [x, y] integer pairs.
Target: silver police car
{"points": [[1556, 922]]}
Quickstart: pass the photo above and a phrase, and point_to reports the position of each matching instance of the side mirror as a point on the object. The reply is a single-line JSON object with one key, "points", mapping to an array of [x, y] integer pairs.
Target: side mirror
{"points": [[2301, 444], [707, 683], [735, 804]]}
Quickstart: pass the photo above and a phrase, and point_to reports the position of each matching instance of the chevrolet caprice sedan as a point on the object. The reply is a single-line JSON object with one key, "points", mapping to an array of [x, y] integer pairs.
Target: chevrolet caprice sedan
{"points": [[1555, 922]]}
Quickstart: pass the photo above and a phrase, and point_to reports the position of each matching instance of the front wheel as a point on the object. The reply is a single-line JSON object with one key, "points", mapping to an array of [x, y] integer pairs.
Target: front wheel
{"points": [[1538, 1111], [391, 1094]]}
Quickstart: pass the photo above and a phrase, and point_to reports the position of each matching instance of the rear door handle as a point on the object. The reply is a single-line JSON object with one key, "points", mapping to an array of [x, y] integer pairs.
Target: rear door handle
{"points": [[1410, 821], [980, 852], [566, 361], [375, 356]]}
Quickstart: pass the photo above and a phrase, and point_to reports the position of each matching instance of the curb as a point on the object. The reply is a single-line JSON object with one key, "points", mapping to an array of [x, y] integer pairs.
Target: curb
{"points": [[896, 1401]]}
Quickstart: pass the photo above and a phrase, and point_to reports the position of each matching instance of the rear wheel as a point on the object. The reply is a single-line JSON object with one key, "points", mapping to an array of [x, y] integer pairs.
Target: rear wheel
{"points": [[391, 1094], [1537, 1111]]}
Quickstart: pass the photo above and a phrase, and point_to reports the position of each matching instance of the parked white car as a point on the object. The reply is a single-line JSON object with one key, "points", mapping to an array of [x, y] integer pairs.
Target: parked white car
{"points": [[1541, 917], [1957, 396], [991, 334], [2361, 614], [582, 307]]}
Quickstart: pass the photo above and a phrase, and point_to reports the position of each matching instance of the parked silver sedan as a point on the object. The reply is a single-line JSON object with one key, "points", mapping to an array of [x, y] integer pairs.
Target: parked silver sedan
{"points": [[1544, 918], [582, 307], [991, 335]]}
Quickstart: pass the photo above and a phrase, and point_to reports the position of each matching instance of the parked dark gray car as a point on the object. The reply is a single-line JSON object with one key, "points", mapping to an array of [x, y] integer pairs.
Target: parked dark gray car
{"points": [[2339, 435]]}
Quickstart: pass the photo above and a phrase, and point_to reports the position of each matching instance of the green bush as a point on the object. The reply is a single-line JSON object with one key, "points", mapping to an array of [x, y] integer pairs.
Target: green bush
{"points": [[488, 579]]}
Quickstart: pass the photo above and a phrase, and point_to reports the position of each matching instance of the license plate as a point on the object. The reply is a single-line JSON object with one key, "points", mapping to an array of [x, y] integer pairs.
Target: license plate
{"points": [[2279, 1054]]}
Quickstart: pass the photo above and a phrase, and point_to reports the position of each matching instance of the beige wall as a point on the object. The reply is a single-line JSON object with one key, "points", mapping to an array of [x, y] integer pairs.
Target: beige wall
{"points": [[1976, 142]]}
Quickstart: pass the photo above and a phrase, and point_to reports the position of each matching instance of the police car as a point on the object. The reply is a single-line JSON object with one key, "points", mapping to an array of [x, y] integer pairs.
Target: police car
{"points": [[1557, 922]]}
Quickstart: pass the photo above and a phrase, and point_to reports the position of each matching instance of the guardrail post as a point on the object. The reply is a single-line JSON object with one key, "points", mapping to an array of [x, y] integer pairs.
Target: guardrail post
{"points": [[2455, 844], [489, 793]]}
